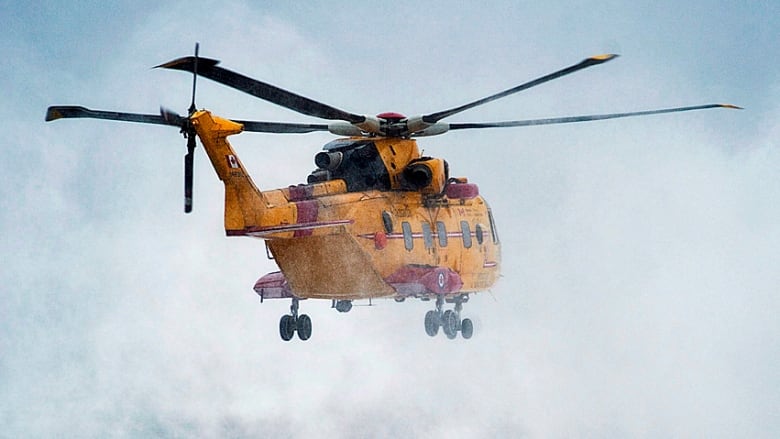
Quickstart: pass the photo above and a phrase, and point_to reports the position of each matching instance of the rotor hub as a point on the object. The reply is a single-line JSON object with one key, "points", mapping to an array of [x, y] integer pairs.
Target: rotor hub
{"points": [[391, 116]]}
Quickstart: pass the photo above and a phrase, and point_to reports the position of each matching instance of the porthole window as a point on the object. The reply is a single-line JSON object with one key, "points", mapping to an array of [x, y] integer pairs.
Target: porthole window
{"points": [[387, 220], [480, 234], [466, 232], [441, 232], [427, 235], [408, 238]]}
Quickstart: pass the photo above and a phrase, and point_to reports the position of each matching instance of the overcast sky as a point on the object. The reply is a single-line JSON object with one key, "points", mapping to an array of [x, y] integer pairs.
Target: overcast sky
{"points": [[639, 294]]}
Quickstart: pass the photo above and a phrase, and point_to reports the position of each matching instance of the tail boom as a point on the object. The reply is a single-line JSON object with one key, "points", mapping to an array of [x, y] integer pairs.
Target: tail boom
{"points": [[245, 205]]}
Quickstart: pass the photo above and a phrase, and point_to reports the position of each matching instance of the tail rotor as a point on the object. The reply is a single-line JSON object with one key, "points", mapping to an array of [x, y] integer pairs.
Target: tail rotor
{"points": [[189, 132]]}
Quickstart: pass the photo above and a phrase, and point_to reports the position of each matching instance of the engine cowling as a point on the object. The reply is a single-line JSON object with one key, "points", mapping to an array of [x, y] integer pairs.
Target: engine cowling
{"points": [[329, 160], [426, 175]]}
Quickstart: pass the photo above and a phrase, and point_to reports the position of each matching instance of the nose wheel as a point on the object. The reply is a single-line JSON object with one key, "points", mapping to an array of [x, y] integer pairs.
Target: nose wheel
{"points": [[292, 323], [449, 321], [342, 305]]}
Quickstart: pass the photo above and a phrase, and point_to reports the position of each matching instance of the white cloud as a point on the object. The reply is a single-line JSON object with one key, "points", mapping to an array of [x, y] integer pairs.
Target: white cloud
{"points": [[638, 296]]}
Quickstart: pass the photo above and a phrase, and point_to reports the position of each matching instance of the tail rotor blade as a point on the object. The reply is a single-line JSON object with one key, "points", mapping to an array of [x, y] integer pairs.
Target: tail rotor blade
{"points": [[172, 117], [194, 79], [188, 171]]}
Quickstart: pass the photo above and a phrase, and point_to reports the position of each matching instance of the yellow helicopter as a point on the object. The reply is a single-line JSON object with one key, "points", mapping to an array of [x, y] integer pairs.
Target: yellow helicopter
{"points": [[375, 219]]}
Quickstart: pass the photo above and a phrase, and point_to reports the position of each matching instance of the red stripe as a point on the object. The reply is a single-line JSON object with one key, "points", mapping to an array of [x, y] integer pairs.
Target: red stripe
{"points": [[301, 192], [415, 235], [260, 231], [307, 213]]}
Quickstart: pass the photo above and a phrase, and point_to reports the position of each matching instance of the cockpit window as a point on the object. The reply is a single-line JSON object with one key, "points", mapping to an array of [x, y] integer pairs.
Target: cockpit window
{"points": [[493, 231]]}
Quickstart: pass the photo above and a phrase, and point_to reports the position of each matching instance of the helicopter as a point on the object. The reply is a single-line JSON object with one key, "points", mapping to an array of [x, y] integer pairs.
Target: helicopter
{"points": [[375, 219]]}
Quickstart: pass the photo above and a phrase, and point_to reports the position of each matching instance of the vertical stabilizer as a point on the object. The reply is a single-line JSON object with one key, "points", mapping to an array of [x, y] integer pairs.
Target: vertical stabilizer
{"points": [[244, 203]]}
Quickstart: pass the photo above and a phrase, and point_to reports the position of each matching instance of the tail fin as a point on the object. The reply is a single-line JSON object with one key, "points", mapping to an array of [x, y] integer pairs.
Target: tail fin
{"points": [[244, 203]]}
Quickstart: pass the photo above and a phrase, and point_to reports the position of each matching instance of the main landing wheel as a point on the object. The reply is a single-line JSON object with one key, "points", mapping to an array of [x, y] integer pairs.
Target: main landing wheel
{"points": [[287, 327], [304, 327], [432, 323], [449, 324], [449, 321], [466, 328], [290, 323]]}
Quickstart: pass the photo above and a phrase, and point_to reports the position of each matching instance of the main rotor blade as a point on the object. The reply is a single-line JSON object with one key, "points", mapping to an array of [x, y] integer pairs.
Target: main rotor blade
{"points": [[592, 61], [167, 117], [570, 119], [280, 127], [69, 111], [208, 69]]}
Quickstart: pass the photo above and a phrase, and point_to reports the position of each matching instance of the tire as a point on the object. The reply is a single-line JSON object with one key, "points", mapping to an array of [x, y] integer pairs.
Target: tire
{"points": [[466, 328], [287, 327], [304, 327], [449, 324], [343, 305], [431, 323]]}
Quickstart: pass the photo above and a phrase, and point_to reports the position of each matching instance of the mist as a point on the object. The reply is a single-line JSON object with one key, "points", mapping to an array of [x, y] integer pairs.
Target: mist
{"points": [[639, 278]]}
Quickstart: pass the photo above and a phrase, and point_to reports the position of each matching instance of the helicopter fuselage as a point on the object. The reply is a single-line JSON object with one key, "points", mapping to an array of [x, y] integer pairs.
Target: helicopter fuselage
{"points": [[376, 220]]}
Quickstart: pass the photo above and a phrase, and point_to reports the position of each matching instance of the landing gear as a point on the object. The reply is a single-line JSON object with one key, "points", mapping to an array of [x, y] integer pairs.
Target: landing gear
{"points": [[343, 305], [432, 323], [466, 328], [304, 327], [449, 324], [290, 323], [449, 321], [287, 327]]}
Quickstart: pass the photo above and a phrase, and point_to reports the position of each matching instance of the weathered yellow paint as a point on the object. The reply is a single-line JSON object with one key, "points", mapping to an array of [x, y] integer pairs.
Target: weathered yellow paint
{"points": [[396, 154], [337, 257], [331, 266]]}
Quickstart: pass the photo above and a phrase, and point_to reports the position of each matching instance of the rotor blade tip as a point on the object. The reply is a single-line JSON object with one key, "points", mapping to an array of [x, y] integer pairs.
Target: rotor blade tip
{"points": [[186, 63], [52, 114], [604, 57], [734, 107]]}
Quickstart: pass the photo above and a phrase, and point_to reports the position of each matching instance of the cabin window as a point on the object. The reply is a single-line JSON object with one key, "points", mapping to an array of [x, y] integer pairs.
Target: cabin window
{"points": [[480, 234], [441, 232], [387, 220], [427, 235], [493, 232], [408, 238], [466, 232]]}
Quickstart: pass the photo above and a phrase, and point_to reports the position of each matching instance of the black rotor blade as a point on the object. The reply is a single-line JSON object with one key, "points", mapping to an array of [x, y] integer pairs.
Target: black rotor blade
{"points": [[68, 111], [168, 117], [570, 119], [192, 108], [188, 171], [172, 117], [592, 61], [279, 127], [208, 69]]}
